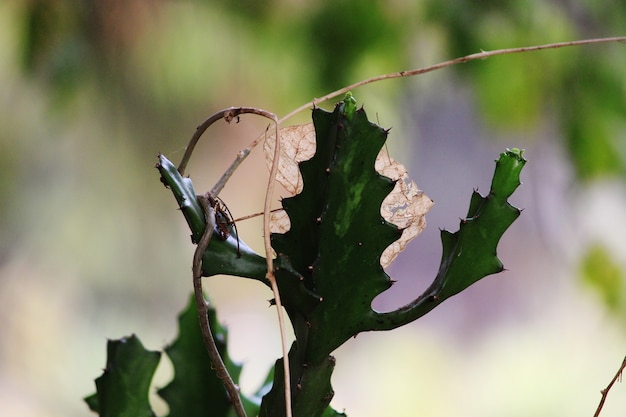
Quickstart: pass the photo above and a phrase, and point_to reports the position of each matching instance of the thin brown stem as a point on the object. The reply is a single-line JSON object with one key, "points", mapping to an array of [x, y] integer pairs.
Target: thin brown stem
{"points": [[461, 60], [203, 311], [253, 215], [270, 263], [228, 115], [605, 391], [243, 154]]}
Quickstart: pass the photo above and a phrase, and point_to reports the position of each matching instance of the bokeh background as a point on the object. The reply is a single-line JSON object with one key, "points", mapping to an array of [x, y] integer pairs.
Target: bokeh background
{"points": [[92, 247]]}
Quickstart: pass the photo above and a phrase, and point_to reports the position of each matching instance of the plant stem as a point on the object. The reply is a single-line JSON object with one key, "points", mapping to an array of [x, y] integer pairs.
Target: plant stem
{"points": [[233, 112], [270, 267], [605, 391], [461, 60], [203, 317], [228, 115]]}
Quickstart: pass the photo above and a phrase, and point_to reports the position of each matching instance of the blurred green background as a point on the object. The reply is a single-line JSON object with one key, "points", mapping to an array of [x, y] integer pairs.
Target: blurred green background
{"points": [[92, 247]]}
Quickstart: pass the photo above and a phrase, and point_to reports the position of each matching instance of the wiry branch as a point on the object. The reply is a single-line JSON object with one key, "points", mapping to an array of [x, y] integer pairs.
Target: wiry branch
{"points": [[605, 391], [203, 311], [472, 57], [228, 115], [461, 60]]}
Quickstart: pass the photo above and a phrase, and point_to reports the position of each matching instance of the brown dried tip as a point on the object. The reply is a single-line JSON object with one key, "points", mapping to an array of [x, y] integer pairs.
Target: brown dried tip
{"points": [[406, 206], [297, 145]]}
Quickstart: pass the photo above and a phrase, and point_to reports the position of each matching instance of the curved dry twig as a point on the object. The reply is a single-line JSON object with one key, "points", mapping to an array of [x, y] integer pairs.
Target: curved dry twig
{"points": [[228, 115], [203, 311], [270, 263]]}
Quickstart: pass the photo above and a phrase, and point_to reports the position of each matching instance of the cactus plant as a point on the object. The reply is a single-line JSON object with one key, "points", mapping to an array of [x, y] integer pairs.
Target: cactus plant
{"points": [[327, 267]]}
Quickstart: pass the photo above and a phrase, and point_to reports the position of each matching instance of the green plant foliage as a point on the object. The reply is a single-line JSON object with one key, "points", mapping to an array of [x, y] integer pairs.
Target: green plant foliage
{"points": [[600, 271], [196, 387], [328, 263], [333, 413], [311, 382], [232, 256], [345, 31], [222, 256], [122, 390], [581, 88], [337, 236], [469, 254], [337, 233], [593, 117]]}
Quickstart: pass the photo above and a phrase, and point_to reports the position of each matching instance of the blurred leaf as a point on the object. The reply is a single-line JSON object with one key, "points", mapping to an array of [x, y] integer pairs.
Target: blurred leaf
{"points": [[590, 142], [38, 26], [584, 87], [55, 45], [602, 273], [593, 111], [255, 11], [122, 390], [341, 32], [510, 91]]}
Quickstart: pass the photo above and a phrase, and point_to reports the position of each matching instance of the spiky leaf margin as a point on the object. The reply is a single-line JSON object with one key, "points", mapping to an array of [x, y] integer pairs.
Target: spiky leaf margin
{"points": [[196, 387], [122, 390]]}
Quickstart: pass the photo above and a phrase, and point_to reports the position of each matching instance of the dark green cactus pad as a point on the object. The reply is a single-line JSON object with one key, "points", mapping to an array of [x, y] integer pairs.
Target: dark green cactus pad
{"points": [[310, 385], [122, 391], [470, 253], [337, 232], [222, 256], [232, 256], [123, 388], [196, 387]]}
